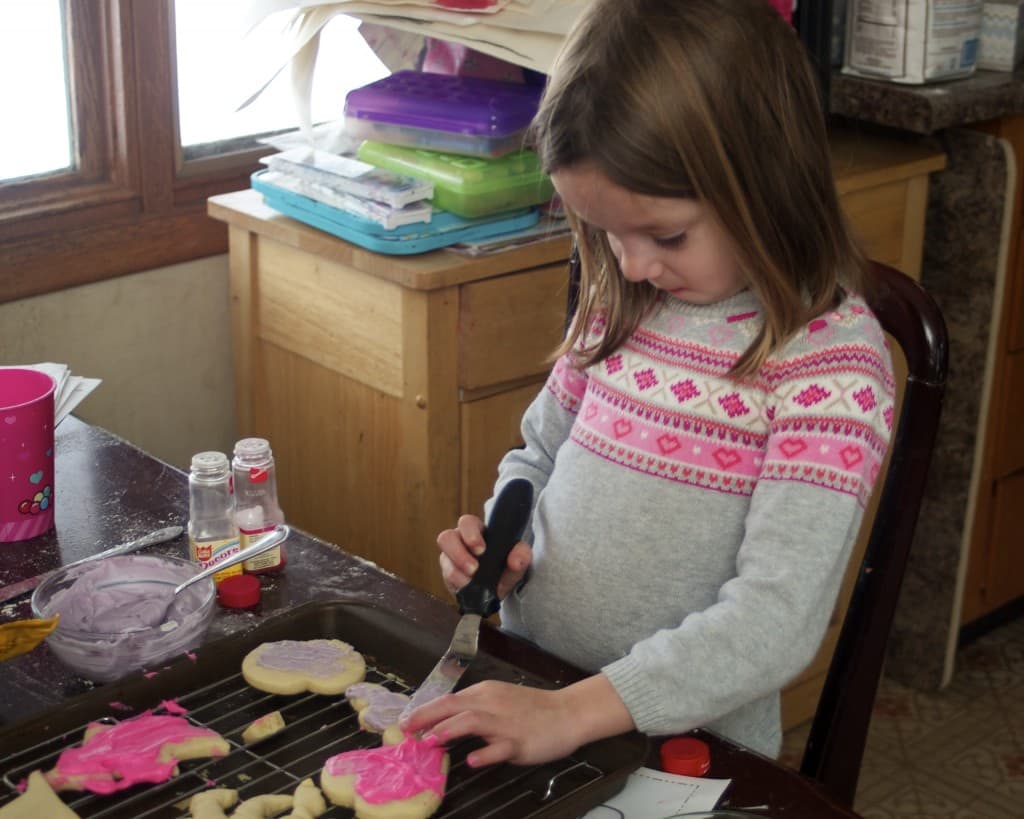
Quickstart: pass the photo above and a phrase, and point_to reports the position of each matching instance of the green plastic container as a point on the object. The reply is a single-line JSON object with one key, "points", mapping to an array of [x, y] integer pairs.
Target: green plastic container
{"points": [[467, 186]]}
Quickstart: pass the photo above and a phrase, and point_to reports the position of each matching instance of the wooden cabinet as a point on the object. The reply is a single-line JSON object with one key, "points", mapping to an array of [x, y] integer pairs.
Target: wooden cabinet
{"points": [[388, 386], [391, 386], [994, 578]]}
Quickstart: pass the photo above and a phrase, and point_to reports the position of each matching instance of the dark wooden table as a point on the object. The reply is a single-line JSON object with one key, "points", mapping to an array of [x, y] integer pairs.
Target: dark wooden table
{"points": [[108, 491]]}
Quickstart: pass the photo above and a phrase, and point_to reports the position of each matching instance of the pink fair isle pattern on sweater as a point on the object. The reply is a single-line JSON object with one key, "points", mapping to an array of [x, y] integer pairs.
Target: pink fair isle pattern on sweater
{"points": [[567, 384], [820, 414]]}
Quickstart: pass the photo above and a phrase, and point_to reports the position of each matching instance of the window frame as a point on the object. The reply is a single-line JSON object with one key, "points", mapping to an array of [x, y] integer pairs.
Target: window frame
{"points": [[132, 202]]}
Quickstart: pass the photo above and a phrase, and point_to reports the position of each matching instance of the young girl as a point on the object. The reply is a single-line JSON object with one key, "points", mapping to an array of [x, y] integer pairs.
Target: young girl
{"points": [[703, 449]]}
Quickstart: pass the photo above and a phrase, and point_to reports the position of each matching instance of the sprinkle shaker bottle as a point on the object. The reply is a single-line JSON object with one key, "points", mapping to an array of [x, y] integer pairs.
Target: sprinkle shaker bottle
{"points": [[212, 531], [256, 506]]}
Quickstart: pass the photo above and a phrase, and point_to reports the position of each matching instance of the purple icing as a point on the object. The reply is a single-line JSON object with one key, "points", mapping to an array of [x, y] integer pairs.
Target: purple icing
{"points": [[318, 658], [380, 707]]}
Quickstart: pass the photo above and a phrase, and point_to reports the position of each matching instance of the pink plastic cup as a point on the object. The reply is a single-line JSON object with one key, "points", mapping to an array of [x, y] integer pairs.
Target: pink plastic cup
{"points": [[26, 453]]}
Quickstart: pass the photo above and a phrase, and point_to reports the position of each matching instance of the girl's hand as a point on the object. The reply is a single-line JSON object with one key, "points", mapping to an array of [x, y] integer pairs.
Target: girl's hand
{"points": [[461, 546], [524, 725]]}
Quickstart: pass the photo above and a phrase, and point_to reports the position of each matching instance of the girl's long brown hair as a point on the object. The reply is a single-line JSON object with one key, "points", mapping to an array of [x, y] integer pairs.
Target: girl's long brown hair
{"points": [[713, 99]]}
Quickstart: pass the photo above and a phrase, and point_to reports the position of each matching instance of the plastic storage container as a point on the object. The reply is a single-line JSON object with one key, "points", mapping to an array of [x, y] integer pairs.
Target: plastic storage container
{"points": [[439, 112], [256, 507], [212, 530], [468, 186], [444, 228]]}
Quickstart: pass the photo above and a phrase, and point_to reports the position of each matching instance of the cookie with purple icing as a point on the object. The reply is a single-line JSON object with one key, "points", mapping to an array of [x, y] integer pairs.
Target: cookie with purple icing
{"points": [[293, 666], [379, 709]]}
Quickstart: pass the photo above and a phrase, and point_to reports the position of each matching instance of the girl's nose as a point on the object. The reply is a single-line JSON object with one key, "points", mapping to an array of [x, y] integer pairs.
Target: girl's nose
{"points": [[636, 266]]}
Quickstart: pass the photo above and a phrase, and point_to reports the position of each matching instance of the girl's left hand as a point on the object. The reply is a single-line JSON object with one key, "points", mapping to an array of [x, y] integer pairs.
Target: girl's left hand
{"points": [[524, 725]]}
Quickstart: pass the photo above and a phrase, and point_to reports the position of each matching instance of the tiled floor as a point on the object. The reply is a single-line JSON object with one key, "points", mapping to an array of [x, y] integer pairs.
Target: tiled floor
{"points": [[951, 754]]}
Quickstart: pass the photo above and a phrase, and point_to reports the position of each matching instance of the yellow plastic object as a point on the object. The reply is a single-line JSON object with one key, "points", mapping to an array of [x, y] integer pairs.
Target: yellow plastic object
{"points": [[21, 636]]}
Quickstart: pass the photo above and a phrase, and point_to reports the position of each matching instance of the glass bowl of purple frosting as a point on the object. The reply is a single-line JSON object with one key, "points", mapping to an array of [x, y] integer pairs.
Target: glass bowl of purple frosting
{"points": [[120, 614]]}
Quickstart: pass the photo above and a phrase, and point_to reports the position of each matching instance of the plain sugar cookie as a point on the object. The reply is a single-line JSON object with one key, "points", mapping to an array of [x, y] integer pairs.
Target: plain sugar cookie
{"points": [[263, 728], [37, 802], [294, 666], [404, 781], [212, 804], [309, 803]]}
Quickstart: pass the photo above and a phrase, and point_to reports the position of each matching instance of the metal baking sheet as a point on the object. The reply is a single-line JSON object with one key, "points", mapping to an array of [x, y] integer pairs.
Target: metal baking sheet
{"points": [[211, 688]]}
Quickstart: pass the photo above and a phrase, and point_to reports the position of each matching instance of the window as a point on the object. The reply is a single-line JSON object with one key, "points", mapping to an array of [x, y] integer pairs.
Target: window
{"points": [[37, 138], [220, 65], [124, 196]]}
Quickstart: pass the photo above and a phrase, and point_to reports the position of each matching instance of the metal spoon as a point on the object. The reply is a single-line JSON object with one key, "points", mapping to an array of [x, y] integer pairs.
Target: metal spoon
{"points": [[268, 541], [159, 536]]}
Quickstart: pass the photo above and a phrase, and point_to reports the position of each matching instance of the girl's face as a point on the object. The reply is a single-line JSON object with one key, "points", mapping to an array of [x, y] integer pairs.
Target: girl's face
{"points": [[674, 244]]}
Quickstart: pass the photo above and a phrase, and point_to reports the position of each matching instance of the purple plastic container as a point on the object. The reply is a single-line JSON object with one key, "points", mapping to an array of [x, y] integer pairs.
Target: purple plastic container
{"points": [[440, 112]]}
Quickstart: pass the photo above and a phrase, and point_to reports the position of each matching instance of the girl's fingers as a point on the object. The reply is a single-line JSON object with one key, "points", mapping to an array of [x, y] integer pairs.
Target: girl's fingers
{"points": [[500, 750], [455, 549], [518, 562], [471, 532], [453, 578]]}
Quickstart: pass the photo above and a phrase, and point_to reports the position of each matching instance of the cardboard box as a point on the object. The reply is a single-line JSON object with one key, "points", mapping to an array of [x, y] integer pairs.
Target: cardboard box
{"points": [[912, 41], [1002, 35]]}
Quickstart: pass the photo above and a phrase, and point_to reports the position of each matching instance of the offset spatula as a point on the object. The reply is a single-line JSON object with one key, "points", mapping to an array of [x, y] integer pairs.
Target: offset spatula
{"points": [[479, 598]]}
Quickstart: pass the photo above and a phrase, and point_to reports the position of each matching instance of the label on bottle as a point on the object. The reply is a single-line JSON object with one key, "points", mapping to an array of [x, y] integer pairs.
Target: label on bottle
{"points": [[270, 560], [211, 552]]}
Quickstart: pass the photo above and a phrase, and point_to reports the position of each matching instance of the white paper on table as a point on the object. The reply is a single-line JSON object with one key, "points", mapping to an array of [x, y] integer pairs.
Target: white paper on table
{"points": [[652, 794], [71, 389]]}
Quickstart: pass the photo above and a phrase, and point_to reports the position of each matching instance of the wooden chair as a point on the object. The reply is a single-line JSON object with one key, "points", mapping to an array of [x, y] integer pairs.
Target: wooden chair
{"points": [[835, 747]]}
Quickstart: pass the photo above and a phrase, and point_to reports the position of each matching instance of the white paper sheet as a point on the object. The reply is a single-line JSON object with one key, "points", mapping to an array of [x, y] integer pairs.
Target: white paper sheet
{"points": [[71, 389], [527, 33], [652, 794]]}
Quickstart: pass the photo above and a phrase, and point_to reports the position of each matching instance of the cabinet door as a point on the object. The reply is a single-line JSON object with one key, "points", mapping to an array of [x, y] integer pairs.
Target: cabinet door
{"points": [[1004, 581], [490, 428], [509, 325], [1009, 457]]}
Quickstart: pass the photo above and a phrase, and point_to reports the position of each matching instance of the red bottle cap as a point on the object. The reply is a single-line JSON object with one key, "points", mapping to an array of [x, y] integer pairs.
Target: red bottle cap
{"points": [[686, 756], [239, 591]]}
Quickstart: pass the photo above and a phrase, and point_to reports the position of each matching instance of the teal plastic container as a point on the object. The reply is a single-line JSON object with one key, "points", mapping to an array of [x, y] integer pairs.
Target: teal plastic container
{"points": [[467, 186]]}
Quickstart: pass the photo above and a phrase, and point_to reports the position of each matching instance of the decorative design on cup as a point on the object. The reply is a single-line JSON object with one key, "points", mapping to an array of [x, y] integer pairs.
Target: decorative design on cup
{"points": [[39, 502]]}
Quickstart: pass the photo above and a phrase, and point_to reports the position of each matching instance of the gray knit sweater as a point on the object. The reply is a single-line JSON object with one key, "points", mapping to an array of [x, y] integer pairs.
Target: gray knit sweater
{"points": [[689, 531]]}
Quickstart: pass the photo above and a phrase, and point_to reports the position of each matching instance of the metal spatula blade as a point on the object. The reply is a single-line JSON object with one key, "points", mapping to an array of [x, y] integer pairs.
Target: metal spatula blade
{"points": [[479, 598]]}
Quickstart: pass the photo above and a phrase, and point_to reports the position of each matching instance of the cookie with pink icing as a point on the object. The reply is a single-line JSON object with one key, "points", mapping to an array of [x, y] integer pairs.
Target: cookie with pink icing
{"points": [[294, 666], [146, 748], [403, 781], [379, 709]]}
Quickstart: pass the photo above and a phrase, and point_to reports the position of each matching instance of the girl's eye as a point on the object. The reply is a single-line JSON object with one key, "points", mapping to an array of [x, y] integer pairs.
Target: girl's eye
{"points": [[671, 241]]}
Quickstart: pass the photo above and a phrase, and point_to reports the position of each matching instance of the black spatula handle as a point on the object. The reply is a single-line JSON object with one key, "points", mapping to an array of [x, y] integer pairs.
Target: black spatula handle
{"points": [[504, 529]]}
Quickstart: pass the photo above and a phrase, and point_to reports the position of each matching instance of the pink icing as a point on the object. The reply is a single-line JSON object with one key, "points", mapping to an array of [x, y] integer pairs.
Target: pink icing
{"points": [[172, 707], [393, 772], [318, 658], [125, 754]]}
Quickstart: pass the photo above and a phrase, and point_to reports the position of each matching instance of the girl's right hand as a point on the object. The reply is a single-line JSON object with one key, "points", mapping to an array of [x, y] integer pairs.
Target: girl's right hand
{"points": [[461, 546]]}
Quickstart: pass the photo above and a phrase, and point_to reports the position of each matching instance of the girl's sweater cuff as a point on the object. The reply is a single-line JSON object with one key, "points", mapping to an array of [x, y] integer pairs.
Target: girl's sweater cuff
{"points": [[643, 702]]}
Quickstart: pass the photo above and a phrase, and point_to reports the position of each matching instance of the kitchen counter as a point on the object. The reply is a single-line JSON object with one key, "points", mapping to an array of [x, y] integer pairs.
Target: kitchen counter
{"points": [[925, 109], [108, 491]]}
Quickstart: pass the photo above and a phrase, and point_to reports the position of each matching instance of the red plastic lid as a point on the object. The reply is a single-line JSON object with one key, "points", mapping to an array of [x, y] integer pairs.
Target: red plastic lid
{"points": [[686, 756], [239, 591]]}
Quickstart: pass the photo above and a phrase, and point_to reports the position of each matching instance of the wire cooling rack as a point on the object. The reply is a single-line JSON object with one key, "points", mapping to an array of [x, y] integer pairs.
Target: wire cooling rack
{"points": [[316, 728]]}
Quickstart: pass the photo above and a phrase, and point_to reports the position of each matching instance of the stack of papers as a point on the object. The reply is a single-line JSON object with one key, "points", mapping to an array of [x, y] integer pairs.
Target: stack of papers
{"points": [[71, 389], [653, 794], [350, 185]]}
